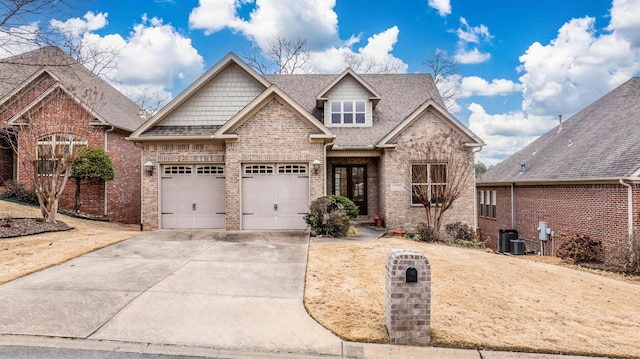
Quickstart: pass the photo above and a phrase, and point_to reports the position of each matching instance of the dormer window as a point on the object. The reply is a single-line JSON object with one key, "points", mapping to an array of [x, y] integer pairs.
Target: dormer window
{"points": [[348, 112]]}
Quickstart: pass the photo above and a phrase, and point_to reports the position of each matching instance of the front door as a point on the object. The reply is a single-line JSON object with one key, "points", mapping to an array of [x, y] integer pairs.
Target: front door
{"points": [[351, 181]]}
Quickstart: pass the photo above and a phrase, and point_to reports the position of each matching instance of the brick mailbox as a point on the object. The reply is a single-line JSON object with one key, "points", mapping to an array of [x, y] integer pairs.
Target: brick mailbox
{"points": [[408, 298]]}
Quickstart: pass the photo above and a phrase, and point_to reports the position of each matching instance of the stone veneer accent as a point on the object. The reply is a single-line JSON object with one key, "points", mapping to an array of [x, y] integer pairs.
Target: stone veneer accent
{"points": [[408, 305]]}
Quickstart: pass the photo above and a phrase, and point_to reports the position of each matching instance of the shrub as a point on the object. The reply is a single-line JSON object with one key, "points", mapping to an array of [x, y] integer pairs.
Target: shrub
{"points": [[328, 216], [352, 210], [460, 231], [632, 265], [18, 192], [468, 244], [425, 233], [581, 248]]}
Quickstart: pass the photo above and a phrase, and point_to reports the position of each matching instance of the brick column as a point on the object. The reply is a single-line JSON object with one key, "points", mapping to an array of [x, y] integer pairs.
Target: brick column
{"points": [[408, 303]]}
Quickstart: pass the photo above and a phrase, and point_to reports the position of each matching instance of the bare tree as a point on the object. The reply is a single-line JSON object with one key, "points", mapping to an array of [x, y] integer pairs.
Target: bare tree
{"points": [[441, 175], [18, 23], [364, 64], [48, 140], [444, 70], [282, 56]]}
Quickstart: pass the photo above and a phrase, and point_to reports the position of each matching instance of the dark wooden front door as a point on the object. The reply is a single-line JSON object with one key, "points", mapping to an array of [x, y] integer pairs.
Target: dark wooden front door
{"points": [[351, 181]]}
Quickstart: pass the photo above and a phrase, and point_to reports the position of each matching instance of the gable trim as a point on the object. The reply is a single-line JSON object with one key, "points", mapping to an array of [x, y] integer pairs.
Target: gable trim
{"points": [[37, 102], [321, 98], [272, 92], [231, 58], [473, 139]]}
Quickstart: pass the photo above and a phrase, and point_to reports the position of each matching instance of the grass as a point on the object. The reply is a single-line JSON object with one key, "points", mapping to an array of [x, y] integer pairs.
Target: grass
{"points": [[479, 300]]}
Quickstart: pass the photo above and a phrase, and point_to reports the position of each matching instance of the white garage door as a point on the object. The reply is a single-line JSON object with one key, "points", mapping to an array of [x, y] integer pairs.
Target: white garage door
{"points": [[192, 196], [275, 196]]}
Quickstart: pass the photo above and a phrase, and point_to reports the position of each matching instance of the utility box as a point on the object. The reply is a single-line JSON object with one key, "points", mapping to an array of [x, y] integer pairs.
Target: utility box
{"points": [[517, 247], [505, 236], [408, 298]]}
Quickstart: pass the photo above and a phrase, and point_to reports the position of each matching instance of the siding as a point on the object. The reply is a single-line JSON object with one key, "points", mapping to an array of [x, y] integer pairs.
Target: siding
{"points": [[217, 101]]}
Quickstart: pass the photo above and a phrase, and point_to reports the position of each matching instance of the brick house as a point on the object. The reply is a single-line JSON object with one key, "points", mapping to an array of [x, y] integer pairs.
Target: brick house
{"points": [[581, 177], [46, 88], [240, 150]]}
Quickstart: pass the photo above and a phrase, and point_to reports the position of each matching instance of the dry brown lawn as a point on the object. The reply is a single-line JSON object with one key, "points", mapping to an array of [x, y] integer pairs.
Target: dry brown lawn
{"points": [[479, 300], [20, 256]]}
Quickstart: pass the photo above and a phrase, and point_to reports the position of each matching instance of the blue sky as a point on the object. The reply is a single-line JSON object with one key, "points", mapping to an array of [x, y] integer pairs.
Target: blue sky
{"points": [[521, 63]]}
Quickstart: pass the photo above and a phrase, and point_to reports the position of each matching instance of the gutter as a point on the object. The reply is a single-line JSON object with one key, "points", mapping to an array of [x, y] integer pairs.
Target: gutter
{"points": [[106, 188], [629, 210]]}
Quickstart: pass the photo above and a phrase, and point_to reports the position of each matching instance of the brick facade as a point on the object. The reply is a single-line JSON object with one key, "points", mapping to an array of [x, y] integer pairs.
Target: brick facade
{"points": [[395, 196], [118, 200], [273, 134], [597, 210]]}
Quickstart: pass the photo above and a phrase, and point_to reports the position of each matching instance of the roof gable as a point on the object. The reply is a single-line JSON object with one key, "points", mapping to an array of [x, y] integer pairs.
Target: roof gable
{"points": [[321, 98], [226, 131], [107, 103], [231, 61], [599, 142], [472, 139]]}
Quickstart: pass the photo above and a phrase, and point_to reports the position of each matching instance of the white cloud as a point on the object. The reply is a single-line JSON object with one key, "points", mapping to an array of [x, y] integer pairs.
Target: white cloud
{"points": [[505, 134], [443, 6], [16, 40], [476, 35], [581, 64], [74, 27], [313, 20], [476, 86], [471, 57], [374, 57], [145, 63]]}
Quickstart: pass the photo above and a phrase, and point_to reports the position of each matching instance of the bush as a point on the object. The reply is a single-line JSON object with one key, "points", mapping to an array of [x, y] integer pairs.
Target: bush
{"points": [[425, 233], [352, 210], [460, 231], [632, 265], [18, 192], [581, 248], [468, 244], [328, 216]]}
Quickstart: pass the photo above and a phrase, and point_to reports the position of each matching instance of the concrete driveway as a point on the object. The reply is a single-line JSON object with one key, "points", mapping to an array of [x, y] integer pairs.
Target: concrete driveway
{"points": [[238, 291]]}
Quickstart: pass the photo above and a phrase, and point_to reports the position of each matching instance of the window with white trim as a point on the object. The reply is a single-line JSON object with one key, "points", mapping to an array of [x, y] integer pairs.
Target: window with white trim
{"points": [[348, 112], [257, 169], [54, 148], [210, 170], [301, 169], [487, 204], [428, 182]]}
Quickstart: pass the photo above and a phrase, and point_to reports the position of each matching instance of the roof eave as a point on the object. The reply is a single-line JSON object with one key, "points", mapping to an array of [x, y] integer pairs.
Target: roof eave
{"points": [[564, 181]]}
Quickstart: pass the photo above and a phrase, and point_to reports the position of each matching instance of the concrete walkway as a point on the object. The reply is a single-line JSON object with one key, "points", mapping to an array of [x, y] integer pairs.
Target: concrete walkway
{"points": [[196, 293]]}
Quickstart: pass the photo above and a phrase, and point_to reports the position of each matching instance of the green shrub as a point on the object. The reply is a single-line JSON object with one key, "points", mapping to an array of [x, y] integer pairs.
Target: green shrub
{"points": [[425, 233], [460, 231], [328, 216], [18, 192], [352, 210], [581, 248]]}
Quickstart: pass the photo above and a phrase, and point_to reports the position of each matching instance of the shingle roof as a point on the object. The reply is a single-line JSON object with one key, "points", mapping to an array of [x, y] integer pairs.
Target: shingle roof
{"points": [[112, 106], [400, 96], [599, 142]]}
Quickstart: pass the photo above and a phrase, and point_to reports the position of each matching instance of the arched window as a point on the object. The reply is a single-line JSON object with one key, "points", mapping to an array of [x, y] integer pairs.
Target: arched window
{"points": [[53, 148]]}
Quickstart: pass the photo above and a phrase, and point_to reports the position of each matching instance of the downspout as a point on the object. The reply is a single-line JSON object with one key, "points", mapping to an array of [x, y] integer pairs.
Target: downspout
{"points": [[106, 188], [138, 144], [475, 191], [513, 206], [629, 210]]}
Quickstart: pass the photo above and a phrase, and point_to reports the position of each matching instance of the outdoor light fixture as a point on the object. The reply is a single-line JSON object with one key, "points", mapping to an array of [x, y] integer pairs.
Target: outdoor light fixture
{"points": [[316, 166], [148, 167]]}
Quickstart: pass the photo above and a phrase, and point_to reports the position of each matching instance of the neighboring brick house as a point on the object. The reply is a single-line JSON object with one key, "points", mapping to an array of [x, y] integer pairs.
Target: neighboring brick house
{"points": [[582, 177], [240, 150], [48, 88]]}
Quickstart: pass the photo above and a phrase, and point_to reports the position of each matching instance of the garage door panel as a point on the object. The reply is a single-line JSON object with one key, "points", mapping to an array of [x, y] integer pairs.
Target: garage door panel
{"points": [[275, 200], [193, 197]]}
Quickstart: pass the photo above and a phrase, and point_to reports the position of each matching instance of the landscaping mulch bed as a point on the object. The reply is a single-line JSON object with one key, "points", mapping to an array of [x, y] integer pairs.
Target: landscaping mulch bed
{"points": [[17, 227]]}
